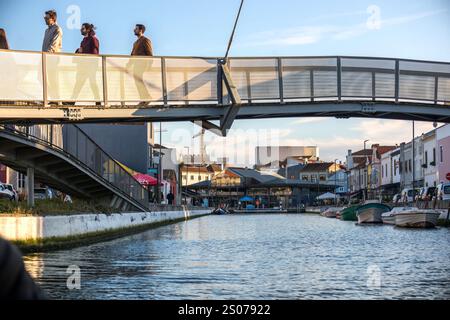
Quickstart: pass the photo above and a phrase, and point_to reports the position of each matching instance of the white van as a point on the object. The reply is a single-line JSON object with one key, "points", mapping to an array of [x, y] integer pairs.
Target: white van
{"points": [[409, 195], [443, 191]]}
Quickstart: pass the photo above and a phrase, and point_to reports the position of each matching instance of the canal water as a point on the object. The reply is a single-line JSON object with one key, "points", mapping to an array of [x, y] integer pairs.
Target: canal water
{"points": [[276, 256]]}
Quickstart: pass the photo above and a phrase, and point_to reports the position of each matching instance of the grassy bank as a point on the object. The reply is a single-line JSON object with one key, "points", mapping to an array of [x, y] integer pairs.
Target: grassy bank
{"points": [[53, 207], [60, 243]]}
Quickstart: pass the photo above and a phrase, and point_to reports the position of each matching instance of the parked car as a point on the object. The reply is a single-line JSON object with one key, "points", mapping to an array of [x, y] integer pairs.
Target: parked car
{"points": [[426, 193], [42, 193], [443, 191], [396, 198], [5, 193], [10, 187], [409, 194]]}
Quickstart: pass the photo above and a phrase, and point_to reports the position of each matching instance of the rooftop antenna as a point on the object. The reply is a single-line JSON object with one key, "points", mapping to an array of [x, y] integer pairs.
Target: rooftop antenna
{"points": [[234, 29]]}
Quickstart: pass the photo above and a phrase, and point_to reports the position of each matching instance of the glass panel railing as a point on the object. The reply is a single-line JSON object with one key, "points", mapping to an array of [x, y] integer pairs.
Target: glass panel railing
{"points": [[74, 78], [299, 80], [133, 79], [368, 78], [20, 76], [191, 79], [255, 79], [78, 79]]}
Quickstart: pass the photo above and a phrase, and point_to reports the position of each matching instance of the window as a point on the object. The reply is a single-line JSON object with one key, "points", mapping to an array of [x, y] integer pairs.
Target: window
{"points": [[385, 170], [20, 181], [441, 154], [192, 177], [305, 178], [322, 177], [382, 171], [199, 178], [434, 156], [426, 158], [410, 167]]}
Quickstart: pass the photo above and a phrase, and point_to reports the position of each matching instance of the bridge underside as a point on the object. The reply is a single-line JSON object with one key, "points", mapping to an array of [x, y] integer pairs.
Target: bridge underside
{"points": [[347, 109], [57, 172]]}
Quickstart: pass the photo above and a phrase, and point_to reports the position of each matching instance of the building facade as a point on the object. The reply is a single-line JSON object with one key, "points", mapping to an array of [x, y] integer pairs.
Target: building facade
{"points": [[443, 152], [272, 154], [429, 164]]}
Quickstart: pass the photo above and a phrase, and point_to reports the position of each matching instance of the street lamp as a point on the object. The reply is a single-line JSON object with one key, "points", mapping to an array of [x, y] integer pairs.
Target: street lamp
{"points": [[158, 195], [335, 182], [187, 174]]}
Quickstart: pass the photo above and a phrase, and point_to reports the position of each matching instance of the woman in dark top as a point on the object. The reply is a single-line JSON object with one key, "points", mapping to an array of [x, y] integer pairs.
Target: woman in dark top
{"points": [[3, 40]]}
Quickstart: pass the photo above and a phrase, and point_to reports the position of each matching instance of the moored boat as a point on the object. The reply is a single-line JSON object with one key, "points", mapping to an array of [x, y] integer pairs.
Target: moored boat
{"points": [[331, 212], [417, 218], [389, 217], [371, 212], [349, 213]]}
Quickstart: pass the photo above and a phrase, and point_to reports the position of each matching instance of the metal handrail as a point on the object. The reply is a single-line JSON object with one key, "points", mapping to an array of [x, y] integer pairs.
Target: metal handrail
{"points": [[234, 57]]}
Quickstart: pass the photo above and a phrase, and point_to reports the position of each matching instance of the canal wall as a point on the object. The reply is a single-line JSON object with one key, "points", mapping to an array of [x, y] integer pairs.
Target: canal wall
{"points": [[35, 228]]}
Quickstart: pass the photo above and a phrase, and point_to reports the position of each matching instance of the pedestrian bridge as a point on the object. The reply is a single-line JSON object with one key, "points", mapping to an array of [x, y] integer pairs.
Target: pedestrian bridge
{"points": [[40, 87], [66, 159]]}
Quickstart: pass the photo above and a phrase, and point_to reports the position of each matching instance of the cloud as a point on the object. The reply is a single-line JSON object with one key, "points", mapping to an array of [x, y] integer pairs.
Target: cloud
{"points": [[309, 120], [390, 132], [314, 33]]}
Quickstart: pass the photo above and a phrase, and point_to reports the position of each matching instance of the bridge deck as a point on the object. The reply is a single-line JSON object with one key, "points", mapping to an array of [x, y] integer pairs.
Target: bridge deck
{"points": [[39, 87]]}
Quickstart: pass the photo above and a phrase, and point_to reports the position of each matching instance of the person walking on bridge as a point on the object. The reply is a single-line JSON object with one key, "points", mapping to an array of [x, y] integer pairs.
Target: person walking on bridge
{"points": [[90, 43], [142, 47], [87, 68], [3, 40], [52, 44], [53, 35]]}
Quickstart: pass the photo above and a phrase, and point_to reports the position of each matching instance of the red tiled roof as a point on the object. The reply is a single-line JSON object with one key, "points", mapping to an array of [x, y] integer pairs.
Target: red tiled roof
{"points": [[321, 166], [194, 169], [384, 149], [363, 152]]}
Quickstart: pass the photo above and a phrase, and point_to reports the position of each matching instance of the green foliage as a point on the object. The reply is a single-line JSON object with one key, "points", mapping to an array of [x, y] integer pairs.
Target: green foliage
{"points": [[53, 207]]}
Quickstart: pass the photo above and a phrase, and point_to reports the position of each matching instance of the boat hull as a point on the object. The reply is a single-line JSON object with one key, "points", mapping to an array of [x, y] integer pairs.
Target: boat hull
{"points": [[370, 216], [417, 220], [371, 213], [330, 214], [388, 219], [349, 214]]}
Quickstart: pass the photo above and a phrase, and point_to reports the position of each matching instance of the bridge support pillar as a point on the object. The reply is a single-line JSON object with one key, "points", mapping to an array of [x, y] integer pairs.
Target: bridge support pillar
{"points": [[30, 187]]}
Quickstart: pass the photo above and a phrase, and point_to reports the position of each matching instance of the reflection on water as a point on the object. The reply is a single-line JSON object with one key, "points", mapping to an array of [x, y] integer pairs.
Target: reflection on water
{"points": [[256, 257]]}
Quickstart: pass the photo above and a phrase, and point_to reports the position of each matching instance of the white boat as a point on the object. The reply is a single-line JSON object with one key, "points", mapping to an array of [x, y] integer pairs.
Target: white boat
{"points": [[331, 212], [417, 218], [389, 217], [371, 212]]}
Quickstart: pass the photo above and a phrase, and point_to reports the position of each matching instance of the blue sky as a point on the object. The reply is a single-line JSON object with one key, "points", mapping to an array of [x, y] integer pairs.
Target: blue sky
{"points": [[415, 29]]}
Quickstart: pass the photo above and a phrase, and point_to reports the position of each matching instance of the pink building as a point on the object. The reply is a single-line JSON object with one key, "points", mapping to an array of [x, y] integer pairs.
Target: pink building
{"points": [[2, 173], [443, 152]]}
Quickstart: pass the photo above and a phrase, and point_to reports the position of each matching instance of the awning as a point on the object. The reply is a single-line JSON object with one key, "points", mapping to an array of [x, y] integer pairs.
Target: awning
{"points": [[145, 179], [326, 196]]}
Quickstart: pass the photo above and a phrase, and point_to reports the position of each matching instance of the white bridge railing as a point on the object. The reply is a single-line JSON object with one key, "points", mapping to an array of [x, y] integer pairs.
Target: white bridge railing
{"points": [[43, 79]]}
